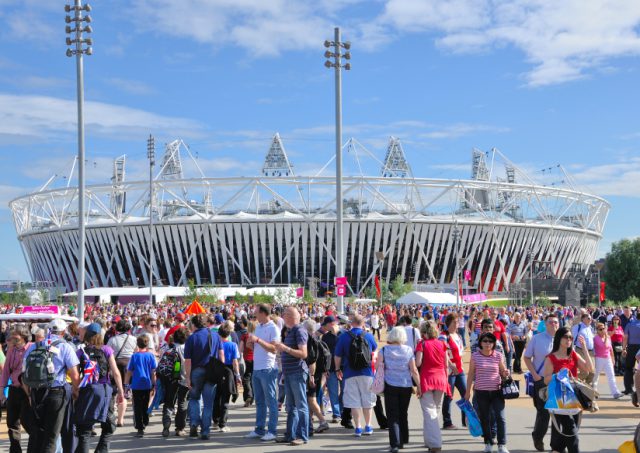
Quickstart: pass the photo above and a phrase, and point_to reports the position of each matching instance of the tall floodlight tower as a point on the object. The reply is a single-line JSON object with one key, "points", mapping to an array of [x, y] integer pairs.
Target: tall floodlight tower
{"points": [[151, 154], [337, 65], [80, 47]]}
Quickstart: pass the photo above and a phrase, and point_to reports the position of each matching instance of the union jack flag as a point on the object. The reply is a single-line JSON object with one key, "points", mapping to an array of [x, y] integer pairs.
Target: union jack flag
{"points": [[91, 372]]}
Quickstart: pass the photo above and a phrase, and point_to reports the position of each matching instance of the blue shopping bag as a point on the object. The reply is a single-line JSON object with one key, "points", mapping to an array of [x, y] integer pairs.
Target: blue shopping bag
{"points": [[561, 399], [473, 422]]}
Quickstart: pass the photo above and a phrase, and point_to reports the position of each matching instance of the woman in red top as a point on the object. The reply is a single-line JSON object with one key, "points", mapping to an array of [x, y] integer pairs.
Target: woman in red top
{"points": [[246, 352], [433, 362], [457, 378], [616, 333], [563, 356]]}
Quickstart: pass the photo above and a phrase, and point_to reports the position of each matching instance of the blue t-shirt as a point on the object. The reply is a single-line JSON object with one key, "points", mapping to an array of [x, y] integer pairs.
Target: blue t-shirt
{"points": [[141, 366], [198, 351], [231, 352], [342, 351], [633, 331], [296, 336]]}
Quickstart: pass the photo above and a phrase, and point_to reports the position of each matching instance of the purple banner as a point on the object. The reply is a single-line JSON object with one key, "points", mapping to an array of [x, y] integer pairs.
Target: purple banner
{"points": [[48, 309], [479, 297]]}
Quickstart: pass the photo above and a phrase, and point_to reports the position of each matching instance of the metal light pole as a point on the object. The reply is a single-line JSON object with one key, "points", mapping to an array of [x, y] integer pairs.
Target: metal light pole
{"points": [[79, 51], [151, 154], [380, 258], [336, 55], [456, 243]]}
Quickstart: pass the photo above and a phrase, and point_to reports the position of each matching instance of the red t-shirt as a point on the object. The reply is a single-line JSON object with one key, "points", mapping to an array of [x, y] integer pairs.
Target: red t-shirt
{"points": [[570, 363], [499, 329], [248, 347]]}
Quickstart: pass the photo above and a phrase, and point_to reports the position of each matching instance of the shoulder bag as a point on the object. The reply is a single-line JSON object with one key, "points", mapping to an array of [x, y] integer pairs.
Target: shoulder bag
{"points": [[377, 386]]}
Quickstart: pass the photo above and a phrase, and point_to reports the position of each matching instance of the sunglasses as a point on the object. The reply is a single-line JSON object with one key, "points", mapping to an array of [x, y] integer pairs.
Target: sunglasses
{"points": [[487, 341], [568, 337], [153, 325], [600, 328]]}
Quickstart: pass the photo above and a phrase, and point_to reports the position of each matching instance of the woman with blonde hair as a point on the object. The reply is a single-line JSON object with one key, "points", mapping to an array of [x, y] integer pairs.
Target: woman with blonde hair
{"points": [[399, 365], [433, 362]]}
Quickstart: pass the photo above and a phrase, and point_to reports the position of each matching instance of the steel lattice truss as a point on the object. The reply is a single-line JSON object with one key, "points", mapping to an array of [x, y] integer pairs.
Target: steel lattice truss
{"points": [[261, 230]]}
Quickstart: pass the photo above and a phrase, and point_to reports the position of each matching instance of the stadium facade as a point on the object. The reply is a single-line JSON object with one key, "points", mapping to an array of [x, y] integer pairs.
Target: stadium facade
{"points": [[279, 227]]}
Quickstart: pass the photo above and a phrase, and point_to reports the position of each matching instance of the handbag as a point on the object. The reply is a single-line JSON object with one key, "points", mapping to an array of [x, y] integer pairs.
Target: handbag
{"points": [[529, 382], [510, 388], [617, 348], [561, 398], [214, 369], [377, 386], [584, 392]]}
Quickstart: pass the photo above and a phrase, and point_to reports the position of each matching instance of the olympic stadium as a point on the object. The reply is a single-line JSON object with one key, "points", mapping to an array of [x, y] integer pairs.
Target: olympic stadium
{"points": [[279, 227]]}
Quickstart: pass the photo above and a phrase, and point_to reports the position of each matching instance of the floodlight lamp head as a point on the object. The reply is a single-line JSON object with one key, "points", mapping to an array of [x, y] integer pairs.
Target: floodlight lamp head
{"points": [[67, 29], [328, 64], [69, 41], [69, 53], [87, 7], [327, 43], [347, 67], [89, 41], [87, 29], [328, 54], [347, 45], [87, 19], [347, 56], [67, 8], [89, 51], [67, 19]]}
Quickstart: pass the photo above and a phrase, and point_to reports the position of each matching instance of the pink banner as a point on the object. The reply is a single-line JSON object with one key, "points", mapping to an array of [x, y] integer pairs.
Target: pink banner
{"points": [[479, 297], [299, 292], [48, 309], [341, 280], [467, 275], [341, 291]]}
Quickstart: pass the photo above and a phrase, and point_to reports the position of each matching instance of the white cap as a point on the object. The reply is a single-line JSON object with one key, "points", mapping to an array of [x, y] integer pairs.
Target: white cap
{"points": [[57, 325], [83, 324]]}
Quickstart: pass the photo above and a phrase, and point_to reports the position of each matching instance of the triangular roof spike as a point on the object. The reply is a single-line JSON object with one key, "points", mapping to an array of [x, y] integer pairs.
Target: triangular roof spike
{"points": [[395, 162], [276, 163]]}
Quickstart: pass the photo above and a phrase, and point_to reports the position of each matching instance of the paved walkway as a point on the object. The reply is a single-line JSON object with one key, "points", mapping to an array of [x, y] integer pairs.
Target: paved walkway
{"points": [[600, 432]]}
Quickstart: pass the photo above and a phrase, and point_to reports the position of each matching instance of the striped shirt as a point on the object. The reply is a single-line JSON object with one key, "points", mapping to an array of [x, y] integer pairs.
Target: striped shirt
{"points": [[487, 370]]}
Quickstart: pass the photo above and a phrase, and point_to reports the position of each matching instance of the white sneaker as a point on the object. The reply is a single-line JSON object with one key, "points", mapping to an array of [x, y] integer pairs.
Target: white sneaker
{"points": [[488, 448], [226, 429], [502, 449], [253, 435], [269, 437]]}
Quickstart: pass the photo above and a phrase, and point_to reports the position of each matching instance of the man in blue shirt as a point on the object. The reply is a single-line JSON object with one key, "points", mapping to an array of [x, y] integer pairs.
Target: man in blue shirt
{"points": [[201, 347], [356, 395], [584, 330], [50, 403], [630, 347]]}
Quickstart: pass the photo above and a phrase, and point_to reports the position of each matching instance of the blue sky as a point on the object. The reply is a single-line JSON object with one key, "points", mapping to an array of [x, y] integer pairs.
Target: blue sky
{"points": [[545, 82]]}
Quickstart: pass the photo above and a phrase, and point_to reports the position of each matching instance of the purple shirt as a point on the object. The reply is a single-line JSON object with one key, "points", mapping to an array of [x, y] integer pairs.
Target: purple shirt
{"points": [[108, 352], [13, 366]]}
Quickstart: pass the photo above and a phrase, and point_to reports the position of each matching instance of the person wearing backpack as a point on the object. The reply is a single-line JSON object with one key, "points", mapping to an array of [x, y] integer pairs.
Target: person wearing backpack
{"points": [[354, 351], [46, 365], [97, 386], [329, 338], [124, 345], [18, 409], [174, 379], [318, 365]]}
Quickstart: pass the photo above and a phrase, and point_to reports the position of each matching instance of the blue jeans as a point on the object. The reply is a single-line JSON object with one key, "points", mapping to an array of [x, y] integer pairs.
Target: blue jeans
{"points": [[458, 381], [206, 390], [333, 386], [265, 394], [295, 388]]}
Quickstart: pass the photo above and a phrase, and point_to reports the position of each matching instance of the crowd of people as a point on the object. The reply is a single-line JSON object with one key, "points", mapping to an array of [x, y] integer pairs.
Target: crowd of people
{"points": [[65, 381]]}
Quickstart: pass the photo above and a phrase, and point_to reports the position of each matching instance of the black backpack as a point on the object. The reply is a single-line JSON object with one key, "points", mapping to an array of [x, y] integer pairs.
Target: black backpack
{"points": [[38, 367], [167, 368], [359, 352], [97, 357], [323, 363], [312, 350]]}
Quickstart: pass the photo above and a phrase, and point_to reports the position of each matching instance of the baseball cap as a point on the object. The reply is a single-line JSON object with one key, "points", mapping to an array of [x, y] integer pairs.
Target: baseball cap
{"points": [[92, 329], [328, 319], [181, 317], [343, 319], [57, 325], [219, 319]]}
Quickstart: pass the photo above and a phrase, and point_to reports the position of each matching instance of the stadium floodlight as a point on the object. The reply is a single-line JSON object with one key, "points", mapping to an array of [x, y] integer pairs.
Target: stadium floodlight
{"points": [[336, 55], [151, 154], [79, 51], [347, 45]]}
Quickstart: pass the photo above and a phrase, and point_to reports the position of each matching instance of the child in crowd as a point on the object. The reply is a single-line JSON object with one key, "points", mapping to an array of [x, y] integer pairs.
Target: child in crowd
{"points": [[142, 381]]}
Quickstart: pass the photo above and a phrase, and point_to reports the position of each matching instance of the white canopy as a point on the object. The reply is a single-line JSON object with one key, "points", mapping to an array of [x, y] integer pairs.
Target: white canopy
{"points": [[424, 298]]}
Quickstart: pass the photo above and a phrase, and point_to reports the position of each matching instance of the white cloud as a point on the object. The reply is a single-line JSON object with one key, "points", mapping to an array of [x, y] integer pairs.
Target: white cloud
{"points": [[563, 40], [42, 117], [619, 178]]}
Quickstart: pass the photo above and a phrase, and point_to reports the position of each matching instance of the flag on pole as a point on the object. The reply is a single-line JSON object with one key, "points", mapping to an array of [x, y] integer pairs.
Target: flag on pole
{"points": [[602, 292], [377, 283]]}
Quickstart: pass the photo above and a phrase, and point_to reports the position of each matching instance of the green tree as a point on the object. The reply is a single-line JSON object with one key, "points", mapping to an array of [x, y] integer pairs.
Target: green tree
{"points": [[622, 270], [399, 288]]}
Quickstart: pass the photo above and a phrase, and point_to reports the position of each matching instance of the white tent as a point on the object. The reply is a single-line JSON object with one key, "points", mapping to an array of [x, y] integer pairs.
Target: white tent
{"points": [[423, 298]]}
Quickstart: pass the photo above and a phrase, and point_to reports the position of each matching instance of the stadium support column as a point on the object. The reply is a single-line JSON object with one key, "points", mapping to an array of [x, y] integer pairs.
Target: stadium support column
{"points": [[78, 42], [336, 64]]}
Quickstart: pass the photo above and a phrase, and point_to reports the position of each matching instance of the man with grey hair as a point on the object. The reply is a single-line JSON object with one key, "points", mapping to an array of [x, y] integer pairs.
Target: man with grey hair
{"points": [[353, 365]]}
